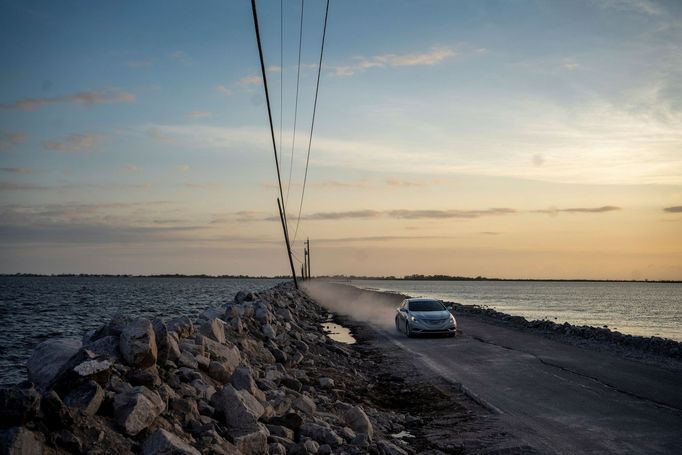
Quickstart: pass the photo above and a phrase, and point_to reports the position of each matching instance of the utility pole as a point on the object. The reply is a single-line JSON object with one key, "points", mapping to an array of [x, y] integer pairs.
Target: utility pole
{"points": [[286, 239], [305, 262], [307, 242]]}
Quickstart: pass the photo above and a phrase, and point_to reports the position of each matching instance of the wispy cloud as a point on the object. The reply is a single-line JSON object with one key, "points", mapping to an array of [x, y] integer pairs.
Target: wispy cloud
{"points": [[10, 139], [674, 209], [16, 170], [444, 214], [180, 56], [432, 57], [201, 186], [74, 143], [251, 80], [130, 168], [223, 90], [85, 98], [199, 114], [12, 186], [602, 209], [183, 167], [647, 7], [159, 135], [145, 63]]}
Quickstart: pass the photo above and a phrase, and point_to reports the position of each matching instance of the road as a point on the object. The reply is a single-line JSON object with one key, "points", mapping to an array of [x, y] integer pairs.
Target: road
{"points": [[557, 397]]}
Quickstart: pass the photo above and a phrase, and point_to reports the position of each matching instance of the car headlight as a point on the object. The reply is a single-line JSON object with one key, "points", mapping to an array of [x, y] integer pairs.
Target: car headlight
{"points": [[453, 321], [412, 318]]}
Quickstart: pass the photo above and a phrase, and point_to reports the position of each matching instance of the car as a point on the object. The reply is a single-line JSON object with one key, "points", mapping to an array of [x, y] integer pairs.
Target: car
{"points": [[425, 316]]}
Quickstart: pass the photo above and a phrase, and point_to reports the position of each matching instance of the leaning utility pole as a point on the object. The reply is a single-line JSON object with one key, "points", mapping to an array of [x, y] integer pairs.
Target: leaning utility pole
{"points": [[286, 239], [307, 242], [282, 210]]}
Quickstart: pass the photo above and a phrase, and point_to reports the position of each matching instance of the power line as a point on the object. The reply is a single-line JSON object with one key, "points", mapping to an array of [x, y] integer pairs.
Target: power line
{"points": [[281, 74], [281, 208], [312, 123], [298, 78], [267, 97]]}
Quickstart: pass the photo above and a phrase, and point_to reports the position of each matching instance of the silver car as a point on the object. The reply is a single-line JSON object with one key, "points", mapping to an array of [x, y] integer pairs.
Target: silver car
{"points": [[423, 316]]}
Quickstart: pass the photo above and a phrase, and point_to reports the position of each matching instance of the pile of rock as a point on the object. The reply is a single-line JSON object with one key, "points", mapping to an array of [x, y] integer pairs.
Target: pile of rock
{"points": [[243, 378]]}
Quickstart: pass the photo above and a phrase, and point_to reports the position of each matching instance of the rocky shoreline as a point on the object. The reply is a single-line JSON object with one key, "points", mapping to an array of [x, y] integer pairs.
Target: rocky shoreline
{"points": [[257, 375]]}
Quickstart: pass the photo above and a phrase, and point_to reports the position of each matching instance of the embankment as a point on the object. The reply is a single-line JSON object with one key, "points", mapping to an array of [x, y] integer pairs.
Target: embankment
{"points": [[254, 376]]}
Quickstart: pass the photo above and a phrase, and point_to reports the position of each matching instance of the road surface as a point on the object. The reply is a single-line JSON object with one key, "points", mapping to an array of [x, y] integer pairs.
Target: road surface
{"points": [[556, 397]]}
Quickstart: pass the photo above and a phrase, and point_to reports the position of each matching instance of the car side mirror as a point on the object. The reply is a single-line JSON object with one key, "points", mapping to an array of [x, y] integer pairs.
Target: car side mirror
{"points": [[450, 307], [402, 310]]}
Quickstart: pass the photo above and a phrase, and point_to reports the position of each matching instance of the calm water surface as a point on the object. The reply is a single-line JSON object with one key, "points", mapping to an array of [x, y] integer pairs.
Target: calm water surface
{"points": [[635, 308], [33, 309]]}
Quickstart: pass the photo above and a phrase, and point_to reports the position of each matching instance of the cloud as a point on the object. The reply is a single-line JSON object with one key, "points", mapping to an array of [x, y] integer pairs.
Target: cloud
{"points": [[146, 63], [251, 80], [199, 114], [444, 214], [602, 209], [180, 56], [12, 186], [674, 209], [223, 90], [183, 167], [130, 168], [201, 186], [87, 98], [16, 170], [398, 182], [74, 143], [432, 57], [159, 135], [647, 7], [10, 139]]}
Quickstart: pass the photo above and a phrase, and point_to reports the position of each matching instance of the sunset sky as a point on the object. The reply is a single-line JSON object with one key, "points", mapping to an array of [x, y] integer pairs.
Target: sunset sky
{"points": [[514, 139]]}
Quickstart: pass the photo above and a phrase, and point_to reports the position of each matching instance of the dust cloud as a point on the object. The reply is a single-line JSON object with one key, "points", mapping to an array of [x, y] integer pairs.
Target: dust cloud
{"points": [[374, 308]]}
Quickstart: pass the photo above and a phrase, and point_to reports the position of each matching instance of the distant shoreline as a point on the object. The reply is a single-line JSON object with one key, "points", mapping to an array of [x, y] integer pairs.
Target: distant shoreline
{"points": [[335, 277]]}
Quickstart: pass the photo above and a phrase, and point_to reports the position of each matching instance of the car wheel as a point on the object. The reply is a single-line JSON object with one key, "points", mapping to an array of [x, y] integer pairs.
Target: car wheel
{"points": [[408, 331]]}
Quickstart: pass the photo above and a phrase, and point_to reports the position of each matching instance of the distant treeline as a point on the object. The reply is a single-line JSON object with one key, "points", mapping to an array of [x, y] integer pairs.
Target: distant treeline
{"points": [[415, 277], [169, 275]]}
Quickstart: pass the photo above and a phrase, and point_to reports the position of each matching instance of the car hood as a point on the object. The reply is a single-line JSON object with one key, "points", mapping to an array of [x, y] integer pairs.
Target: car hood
{"points": [[430, 314]]}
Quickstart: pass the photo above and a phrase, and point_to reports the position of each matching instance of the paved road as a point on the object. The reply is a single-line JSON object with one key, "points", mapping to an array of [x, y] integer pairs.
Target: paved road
{"points": [[557, 397]]}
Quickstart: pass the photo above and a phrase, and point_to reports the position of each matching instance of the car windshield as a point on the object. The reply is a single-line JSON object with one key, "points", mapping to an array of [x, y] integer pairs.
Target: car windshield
{"points": [[426, 305]]}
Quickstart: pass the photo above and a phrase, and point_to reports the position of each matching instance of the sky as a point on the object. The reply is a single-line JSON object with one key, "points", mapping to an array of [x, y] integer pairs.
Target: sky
{"points": [[512, 139]]}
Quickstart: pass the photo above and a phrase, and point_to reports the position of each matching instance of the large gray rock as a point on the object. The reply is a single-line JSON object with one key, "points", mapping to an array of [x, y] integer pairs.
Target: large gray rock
{"points": [[21, 441], [82, 367], [137, 408], [238, 408], [88, 397], [48, 358], [227, 353], [219, 372], [305, 404], [18, 405], [106, 347], [252, 440], [163, 342], [356, 418], [213, 329], [162, 442], [388, 448], [181, 325], [269, 331], [138, 343], [321, 434]]}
